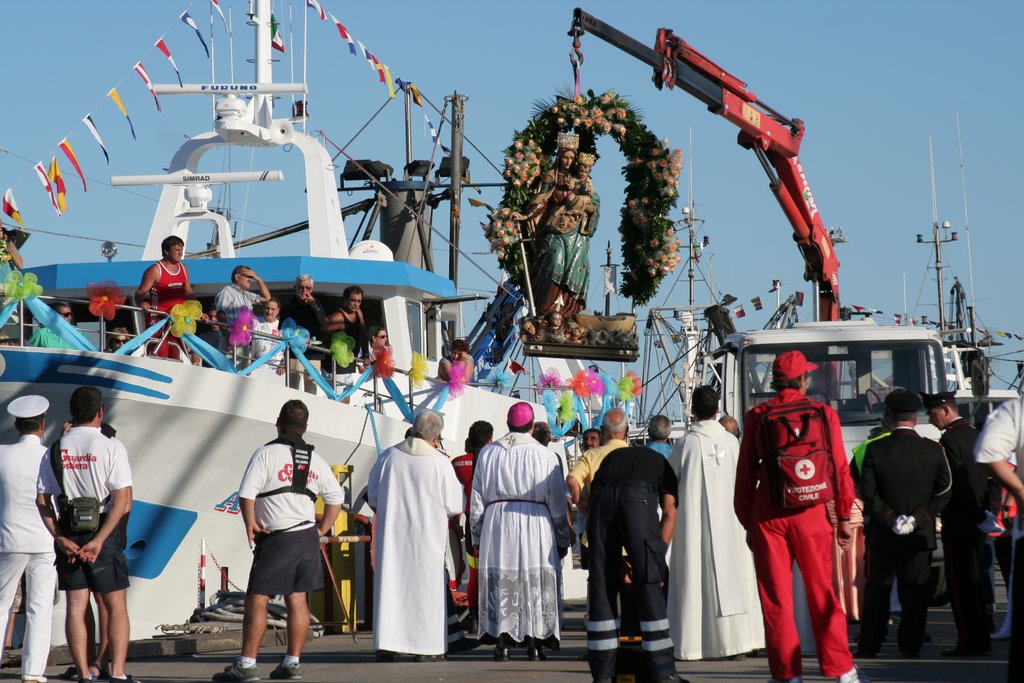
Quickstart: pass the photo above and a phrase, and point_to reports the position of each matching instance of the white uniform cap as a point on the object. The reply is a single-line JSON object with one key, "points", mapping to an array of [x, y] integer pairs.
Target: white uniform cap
{"points": [[28, 406]]}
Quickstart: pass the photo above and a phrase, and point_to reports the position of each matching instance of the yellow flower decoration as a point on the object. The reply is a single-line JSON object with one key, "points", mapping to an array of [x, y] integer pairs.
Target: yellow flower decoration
{"points": [[184, 317], [18, 286], [418, 371]]}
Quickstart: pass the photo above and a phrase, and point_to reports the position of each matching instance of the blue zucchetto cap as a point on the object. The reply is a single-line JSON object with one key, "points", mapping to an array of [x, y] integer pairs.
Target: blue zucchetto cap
{"points": [[28, 406], [903, 401]]}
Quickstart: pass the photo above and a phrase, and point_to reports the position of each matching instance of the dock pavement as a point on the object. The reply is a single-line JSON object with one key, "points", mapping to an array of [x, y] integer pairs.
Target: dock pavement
{"points": [[336, 658]]}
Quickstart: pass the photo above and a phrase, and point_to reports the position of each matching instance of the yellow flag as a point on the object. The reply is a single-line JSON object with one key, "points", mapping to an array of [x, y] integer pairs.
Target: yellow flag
{"points": [[389, 81], [58, 180]]}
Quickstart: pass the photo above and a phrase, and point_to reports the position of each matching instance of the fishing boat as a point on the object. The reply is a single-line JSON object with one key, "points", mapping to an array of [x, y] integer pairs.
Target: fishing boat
{"points": [[189, 430]]}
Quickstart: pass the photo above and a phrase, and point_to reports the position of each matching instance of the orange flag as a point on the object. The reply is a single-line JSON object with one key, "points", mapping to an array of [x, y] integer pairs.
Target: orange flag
{"points": [[65, 147]]}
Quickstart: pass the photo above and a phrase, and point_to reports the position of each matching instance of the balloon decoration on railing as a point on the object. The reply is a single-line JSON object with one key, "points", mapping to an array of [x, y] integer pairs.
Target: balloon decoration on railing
{"points": [[418, 369], [19, 286], [550, 379], [240, 333], [580, 384], [458, 378], [384, 364], [342, 349], [500, 377], [629, 387], [105, 298], [184, 318], [566, 407]]}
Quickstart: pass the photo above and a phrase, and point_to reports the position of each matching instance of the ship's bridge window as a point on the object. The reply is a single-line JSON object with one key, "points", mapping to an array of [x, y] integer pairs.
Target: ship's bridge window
{"points": [[414, 310], [853, 378]]}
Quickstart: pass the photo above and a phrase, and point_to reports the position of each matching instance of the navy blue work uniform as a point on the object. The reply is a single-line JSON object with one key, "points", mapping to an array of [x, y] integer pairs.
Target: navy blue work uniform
{"points": [[623, 513]]}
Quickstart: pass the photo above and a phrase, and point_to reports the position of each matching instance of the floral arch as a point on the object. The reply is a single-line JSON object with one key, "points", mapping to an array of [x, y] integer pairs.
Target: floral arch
{"points": [[650, 248]]}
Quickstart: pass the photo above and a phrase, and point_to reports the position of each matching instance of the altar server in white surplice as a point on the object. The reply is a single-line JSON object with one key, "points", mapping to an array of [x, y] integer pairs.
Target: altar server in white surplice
{"points": [[713, 608], [414, 490], [518, 520]]}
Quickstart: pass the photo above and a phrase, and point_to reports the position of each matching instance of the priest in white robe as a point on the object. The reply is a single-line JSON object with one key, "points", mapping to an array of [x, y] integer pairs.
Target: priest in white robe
{"points": [[413, 489], [713, 608], [518, 520]]}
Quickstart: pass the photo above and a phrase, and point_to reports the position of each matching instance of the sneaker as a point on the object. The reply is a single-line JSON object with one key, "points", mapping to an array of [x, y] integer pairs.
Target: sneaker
{"points": [[30, 677], [236, 672], [854, 675], [286, 673]]}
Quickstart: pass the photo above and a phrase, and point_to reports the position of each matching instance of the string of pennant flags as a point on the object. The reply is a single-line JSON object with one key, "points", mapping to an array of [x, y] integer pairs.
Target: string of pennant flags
{"points": [[899, 319], [51, 177]]}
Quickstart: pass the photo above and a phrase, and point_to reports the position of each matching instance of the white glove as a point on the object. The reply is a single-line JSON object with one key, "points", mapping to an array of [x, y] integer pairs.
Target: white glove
{"points": [[990, 524], [904, 525]]}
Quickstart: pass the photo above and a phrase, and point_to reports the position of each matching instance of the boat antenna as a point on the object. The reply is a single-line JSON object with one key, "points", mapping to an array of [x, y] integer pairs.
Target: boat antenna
{"points": [[967, 222]]}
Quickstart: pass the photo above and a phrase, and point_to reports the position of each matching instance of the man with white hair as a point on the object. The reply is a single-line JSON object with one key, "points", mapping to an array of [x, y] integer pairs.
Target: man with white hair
{"points": [[413, 489], [308, 313]]}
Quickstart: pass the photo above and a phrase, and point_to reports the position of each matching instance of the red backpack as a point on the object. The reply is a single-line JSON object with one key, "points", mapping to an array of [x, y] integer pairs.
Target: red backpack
{"points": [[797, 446]]}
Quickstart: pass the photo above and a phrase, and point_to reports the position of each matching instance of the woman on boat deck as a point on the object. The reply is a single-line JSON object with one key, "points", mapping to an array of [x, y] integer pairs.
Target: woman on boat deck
{"points": [[164, 285], [459, 353]]}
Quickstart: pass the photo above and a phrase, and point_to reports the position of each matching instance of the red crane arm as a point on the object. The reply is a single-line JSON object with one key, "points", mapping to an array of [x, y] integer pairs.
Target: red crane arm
{"points": [[773, 138]]}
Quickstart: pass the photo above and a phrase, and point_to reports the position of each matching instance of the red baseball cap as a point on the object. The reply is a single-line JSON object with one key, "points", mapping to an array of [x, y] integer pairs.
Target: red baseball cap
{"points": [[791, 364]]}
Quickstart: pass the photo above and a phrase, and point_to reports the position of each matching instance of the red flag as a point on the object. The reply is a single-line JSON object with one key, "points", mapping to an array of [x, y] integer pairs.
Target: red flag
{"points": [[799, 298], [345, 34], [739, 312], [11, 207], [141, 70], [45, 180], [65, 147], [897, 318], [162, 46], [516, 368]]}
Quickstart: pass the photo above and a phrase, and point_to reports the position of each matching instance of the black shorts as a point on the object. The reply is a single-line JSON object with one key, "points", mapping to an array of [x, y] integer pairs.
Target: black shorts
{"points": [[286, 563], [107, 574]]}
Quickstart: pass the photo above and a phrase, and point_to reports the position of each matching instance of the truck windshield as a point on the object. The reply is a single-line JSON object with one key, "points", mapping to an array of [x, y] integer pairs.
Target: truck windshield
{"points": [[854, 377]]}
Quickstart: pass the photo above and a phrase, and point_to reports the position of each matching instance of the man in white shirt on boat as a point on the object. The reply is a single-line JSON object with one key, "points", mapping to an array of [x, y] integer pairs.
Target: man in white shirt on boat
{"points": [[278, 509], [91, 466], [25, 545], [230, 301], [413, 489], [713, 608]]}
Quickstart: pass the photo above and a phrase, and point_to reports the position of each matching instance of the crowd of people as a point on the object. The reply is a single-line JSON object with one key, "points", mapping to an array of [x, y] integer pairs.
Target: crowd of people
{"points": [[670, 561]]}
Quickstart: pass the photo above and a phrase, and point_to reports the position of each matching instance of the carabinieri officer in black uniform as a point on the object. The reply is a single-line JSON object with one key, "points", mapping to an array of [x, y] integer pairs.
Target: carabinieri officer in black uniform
{"points": [[624, 499], [963, 543], [904, 484]]}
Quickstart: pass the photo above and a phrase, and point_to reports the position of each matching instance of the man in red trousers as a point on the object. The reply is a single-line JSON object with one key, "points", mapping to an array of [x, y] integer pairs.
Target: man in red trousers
{"points": [[791, 462]]}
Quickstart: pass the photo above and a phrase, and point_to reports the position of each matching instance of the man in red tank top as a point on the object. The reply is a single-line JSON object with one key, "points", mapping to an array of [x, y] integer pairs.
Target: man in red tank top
{"points": [[164, 285]]}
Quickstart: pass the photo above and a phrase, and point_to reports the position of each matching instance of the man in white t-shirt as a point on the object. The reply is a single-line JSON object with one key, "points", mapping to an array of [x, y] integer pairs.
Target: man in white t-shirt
{"points": [[1001, 438], [25, 546], [92, 466], [278, 510]]}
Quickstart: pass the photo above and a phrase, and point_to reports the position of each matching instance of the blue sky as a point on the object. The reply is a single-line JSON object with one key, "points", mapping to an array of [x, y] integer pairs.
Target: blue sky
{"points": [[871, 80]]}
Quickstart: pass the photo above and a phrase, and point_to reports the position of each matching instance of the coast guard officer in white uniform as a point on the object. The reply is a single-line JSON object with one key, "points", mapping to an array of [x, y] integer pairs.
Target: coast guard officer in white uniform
{"points": [[25, 545]]}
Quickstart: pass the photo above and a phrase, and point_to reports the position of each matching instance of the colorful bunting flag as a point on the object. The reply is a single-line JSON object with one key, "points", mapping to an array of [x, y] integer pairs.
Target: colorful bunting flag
{"points": [[318, 7], [366, 54], [345, 34], [276, 41], [434, 136], [757, 303], [58, 183], [416, 97], [377, 66], [739, 312], [65, 147], [516, 368], [216, 6], [11, 208], [162, 46], [96, 134], [141, 70], [391, 84], [113, 94], [897, 318], [189, 21], [799, 297], [45, 180]]}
